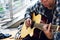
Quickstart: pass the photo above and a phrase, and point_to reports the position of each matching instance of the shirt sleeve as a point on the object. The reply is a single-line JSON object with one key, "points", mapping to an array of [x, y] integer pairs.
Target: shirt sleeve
{"points": [[31, 9]]}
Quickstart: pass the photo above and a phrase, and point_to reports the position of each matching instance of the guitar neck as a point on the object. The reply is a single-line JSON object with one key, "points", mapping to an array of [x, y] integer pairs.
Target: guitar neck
{"points": [[40, 26]]}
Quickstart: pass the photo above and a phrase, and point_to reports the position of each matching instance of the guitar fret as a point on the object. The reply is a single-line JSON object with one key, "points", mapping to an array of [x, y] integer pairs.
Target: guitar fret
{"points": [[40, 26]]}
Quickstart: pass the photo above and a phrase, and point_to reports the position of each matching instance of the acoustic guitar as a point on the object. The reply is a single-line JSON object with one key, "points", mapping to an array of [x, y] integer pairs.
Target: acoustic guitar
{"points": [[37, 24], [24, 31]]}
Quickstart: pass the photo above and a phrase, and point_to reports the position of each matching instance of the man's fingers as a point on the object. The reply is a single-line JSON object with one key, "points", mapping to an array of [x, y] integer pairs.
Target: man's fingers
{"points": [[28, 22], [45, 26], [49, 27]]}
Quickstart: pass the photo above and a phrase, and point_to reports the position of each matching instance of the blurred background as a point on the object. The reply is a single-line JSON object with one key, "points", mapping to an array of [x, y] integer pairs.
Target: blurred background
{"points": [[11, 11], [12, 14]]}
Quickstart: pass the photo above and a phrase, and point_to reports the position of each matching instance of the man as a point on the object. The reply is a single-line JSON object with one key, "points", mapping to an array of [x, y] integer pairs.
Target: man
{"points": [[48, 8]]}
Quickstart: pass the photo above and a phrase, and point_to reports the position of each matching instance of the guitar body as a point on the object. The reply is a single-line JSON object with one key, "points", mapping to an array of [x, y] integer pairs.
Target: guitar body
{"points": [[36, 18], [29, 30], [25, 32]]}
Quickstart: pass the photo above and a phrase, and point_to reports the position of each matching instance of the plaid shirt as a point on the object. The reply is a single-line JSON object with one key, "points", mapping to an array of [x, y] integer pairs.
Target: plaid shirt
{"points": [[38, 8]]}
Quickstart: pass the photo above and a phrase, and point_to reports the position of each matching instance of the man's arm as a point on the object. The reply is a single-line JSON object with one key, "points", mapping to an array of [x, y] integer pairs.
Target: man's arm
{"points": [[29, 11], [34, 8]]}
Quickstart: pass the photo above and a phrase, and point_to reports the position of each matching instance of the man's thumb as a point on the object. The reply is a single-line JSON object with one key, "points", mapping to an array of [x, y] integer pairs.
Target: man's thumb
{"points": [[49, 27]]}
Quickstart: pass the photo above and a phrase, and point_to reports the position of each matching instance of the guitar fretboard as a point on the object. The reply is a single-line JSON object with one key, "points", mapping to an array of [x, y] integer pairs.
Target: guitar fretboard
{"points": [[40, 26]]}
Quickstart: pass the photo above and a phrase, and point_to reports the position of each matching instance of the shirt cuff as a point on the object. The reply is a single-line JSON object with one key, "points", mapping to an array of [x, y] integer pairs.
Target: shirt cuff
{"points": [[27, 16]]}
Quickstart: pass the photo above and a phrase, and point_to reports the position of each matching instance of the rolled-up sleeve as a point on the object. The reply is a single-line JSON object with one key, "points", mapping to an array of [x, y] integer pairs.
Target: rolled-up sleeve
{"points": [[27, 15], [31, 9]]}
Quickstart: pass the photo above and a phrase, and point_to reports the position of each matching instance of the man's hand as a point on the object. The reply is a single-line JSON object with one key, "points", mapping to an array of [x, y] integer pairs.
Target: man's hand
{"points": [[47, 30], [28, 22]]}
